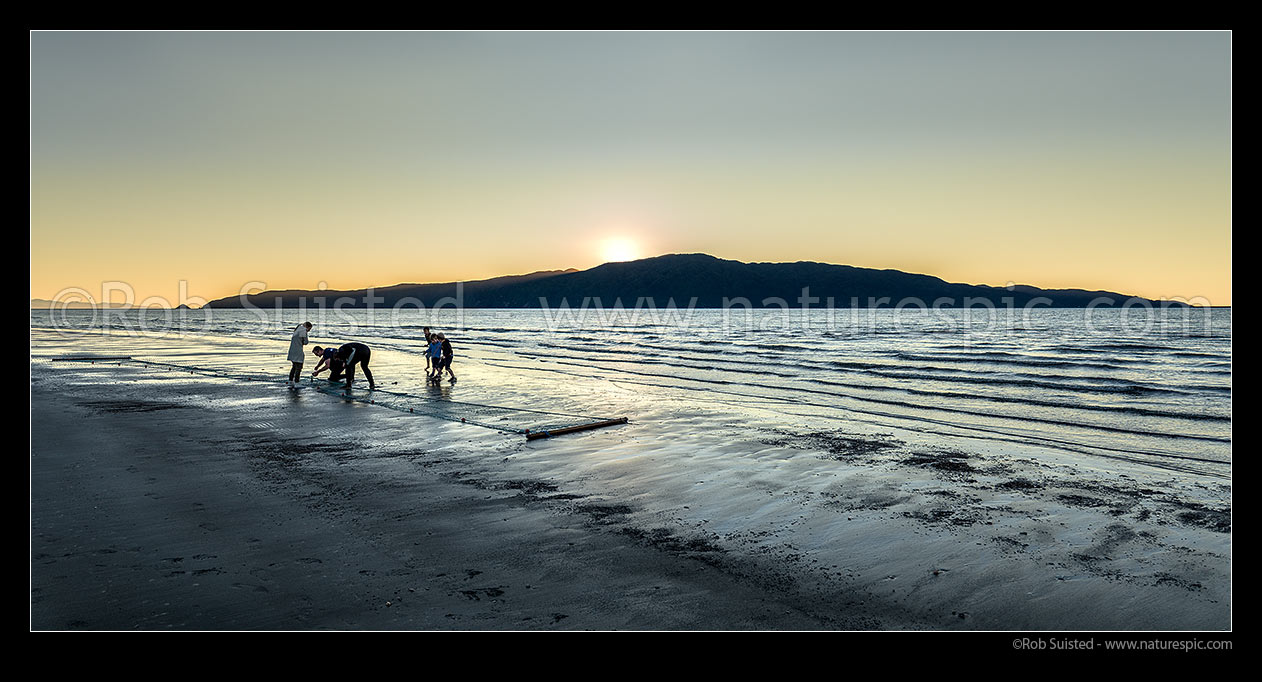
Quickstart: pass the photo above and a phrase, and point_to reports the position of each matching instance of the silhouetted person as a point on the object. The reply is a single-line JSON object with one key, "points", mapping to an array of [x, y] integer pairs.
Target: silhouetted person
{"points": [[295, 352], [344, 358], [429, 338], [434, 352], [444, 360], [328, 356]]}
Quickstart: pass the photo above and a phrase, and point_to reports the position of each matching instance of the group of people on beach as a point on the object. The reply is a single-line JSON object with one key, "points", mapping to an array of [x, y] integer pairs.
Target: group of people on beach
{"points": [[438, 356], [342, 360]]}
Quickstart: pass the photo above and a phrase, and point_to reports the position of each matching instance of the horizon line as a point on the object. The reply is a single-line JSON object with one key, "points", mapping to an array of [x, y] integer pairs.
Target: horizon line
{"points": [[572, 270]]}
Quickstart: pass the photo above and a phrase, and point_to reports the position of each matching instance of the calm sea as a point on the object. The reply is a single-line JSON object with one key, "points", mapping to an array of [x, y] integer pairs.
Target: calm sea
{"points": [[1151, 388]]}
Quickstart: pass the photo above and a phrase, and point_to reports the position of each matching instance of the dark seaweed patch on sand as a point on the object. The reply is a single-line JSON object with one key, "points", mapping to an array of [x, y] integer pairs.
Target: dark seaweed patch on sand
{"points": [[1083, 501], [665, 539], [881, 499], [951, 461], [537, 490], [530, 487], [945, 516], [1106, 489], [1218, 520], [529, 490], [1020, 484], [1167, 579], [604, 513], [837, 444]]}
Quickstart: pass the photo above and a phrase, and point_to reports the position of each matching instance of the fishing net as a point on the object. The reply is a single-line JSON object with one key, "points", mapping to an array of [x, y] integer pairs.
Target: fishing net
{"points": [[529, 422]]}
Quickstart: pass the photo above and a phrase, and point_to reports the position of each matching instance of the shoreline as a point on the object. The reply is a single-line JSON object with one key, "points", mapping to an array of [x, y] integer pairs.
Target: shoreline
{"points": [[162, 500]]}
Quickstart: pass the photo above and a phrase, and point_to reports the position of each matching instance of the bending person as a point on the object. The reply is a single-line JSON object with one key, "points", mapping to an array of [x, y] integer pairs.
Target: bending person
{"points": [[345, 358], [328, 357]]}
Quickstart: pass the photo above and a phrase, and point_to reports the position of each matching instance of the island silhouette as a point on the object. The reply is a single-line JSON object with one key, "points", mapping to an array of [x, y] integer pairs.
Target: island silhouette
{"points": [[701, 281]]}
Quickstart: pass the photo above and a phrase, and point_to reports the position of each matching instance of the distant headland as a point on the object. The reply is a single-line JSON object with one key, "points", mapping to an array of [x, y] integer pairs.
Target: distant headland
{"points": [[697, 280], [686, 280]]}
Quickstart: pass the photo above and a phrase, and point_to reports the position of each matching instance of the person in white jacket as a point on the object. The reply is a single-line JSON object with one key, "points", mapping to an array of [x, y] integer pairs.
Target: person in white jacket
{"points": [[296, 355]]}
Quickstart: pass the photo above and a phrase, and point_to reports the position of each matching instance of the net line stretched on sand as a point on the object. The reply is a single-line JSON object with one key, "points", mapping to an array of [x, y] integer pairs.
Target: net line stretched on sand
{"points": [[532, 423]]}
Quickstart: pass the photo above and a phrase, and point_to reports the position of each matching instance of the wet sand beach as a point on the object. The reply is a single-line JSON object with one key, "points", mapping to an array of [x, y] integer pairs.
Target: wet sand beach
{"points": [[161, 501]]}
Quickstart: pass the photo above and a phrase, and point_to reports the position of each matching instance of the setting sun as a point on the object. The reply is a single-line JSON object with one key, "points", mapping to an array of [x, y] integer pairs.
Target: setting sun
{"points": [[619, 249]]}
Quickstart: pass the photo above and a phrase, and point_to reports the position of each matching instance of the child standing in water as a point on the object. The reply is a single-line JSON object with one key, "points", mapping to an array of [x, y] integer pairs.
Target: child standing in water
{"points": [[435, 354], [429, 362], [444, 361], [296, 343]]}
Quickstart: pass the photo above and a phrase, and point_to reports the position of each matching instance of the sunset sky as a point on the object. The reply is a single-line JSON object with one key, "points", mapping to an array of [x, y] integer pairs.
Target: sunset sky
{"points": [[1093, 160]]}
